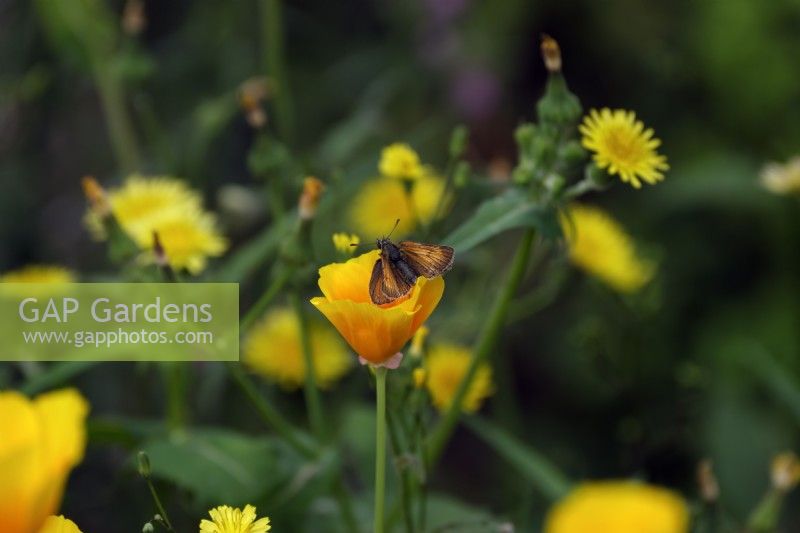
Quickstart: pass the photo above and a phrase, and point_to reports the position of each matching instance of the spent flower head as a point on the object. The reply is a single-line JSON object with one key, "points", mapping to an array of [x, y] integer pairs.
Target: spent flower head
{"points": [[781, 178], [623, 147]]}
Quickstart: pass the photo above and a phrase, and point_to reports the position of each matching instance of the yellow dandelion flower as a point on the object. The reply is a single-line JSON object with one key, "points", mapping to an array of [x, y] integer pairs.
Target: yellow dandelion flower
{"points": [[782, 178], [623, 147], [345, 243], [599, 245], [619, 507], [375, 332], [43, 439], [273, 350], [226, 519], [445, 368], [382, 201], [39, 274], [400, 161], [59, 524], [170, 208], [189, 238]]}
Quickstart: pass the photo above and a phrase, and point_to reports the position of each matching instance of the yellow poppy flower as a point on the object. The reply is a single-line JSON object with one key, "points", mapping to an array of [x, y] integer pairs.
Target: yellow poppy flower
{"points": [[272, 349], [376, 333], [226, 519], [43, 439], [59, 524], [619, 507]]}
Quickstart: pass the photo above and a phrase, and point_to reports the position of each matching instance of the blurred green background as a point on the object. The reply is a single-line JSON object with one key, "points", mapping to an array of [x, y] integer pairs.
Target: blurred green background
{"points": [[705, 363]]}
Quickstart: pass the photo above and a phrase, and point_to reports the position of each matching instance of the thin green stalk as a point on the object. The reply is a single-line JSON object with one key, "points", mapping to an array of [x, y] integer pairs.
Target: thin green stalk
{"points": [[176, 395], [313, 402], [407, 483], [486, 342], [275, 66], [120, 128], [264, 300], [380, 447], [161, 511], [269, 414]]}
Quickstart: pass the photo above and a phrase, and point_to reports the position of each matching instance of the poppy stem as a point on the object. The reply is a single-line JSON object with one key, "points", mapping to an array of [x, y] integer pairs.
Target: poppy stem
{"points": [[380, 447], [486, 342]]}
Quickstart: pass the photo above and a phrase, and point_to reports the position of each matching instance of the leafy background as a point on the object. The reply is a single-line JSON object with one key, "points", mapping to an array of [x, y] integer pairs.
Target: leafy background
{"points": [[705, 363]]}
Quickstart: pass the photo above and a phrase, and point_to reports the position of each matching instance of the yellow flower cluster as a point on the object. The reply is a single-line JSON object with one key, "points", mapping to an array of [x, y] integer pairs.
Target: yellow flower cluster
{"points": [[445, 367], [623, 147], [43, 439], [226, 519], [273, 350], [599, 245], [376, 333], [619, 507], [167, 206]]}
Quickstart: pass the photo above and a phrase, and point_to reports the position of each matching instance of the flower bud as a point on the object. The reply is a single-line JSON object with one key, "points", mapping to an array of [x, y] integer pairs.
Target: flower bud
{"points": [[418, 342], [309, 199], [144, 464], [555, 183], [707, 481], [96, 196], [524, 135], [551, 53], [134, 19], [148, 528], [458, 141], [572, 152], [419, 376]]}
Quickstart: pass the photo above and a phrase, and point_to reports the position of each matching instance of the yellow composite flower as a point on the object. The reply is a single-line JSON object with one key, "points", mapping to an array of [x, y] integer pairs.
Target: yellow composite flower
{"points": [[382, 201], [400, 161], [226, 519], [272, 349], [619, 507], [345, 243], [39, 274], [599, 245], [623, 147], [167, 206], [59, 524], [445, 368], [782, 178], [376, 333], [43, 439]]}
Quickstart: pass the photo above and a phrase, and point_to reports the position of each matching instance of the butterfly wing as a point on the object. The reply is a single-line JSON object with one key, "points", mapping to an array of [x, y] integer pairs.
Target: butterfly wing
{"points": [[429, 260], [385, 285]]}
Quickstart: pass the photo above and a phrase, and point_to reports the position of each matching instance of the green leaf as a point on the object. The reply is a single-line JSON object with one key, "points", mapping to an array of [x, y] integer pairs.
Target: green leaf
{"points": [[525, 460], [447, 515], [215, 465], [512, 209]]}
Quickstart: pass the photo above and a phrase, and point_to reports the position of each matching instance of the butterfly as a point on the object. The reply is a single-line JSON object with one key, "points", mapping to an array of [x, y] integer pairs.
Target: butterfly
{"points": [[399, 266]]}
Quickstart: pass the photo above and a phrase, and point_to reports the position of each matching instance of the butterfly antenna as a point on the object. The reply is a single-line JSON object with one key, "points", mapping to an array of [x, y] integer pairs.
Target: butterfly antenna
{"points": [[396, 222]]}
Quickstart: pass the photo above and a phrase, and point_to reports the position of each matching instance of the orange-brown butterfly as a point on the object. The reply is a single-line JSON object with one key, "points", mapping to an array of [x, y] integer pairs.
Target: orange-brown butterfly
{"points": [[396, 272]]}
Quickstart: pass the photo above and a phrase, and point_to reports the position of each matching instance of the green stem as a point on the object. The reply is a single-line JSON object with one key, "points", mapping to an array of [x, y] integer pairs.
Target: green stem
{"points": [[159, 506], [264, 300], [313, 402], [275, 66], [120, 129], [380, 447], [269, 414], [497, 317], [407, 483], [176, 394]]}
